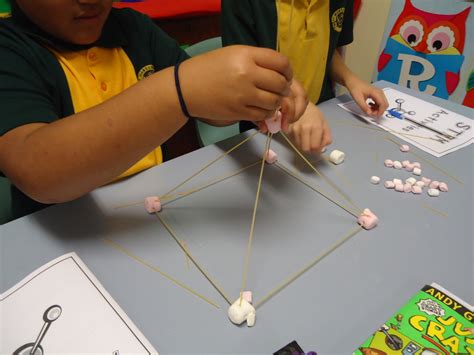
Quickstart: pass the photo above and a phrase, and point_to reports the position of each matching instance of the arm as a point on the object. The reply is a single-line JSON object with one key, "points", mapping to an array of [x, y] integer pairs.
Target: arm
{"points": [[359, 90], [69, 157]]}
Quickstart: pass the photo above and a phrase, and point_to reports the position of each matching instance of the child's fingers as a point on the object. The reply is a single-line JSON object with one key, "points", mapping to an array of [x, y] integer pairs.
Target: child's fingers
{"points": [[270, 59], [381, 101], [272, 81], [287, 112], [360, 100], [253, 113], [266, 100], [301, 98], [327, 135]]}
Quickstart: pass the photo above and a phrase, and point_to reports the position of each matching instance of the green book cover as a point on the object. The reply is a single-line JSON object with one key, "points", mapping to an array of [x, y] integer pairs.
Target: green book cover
{"points": [[432, 322]]}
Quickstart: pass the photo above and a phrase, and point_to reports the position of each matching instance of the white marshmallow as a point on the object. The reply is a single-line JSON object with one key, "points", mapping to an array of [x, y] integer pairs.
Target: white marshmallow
{"points": [[397, 181], [241, 311], [337, 157], [388, 163], [411, 181], [375, 180], [397, 164], [417, 165], [433, 192], [417, 171], [404, 148], [389, 184], [420, 184]]}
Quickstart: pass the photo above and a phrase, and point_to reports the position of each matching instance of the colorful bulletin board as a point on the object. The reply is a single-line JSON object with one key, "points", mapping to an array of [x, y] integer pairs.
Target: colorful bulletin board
{"points": [[428, 46]]}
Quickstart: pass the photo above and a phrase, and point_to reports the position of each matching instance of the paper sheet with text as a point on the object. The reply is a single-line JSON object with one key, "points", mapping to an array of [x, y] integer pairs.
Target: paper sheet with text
{"points": [[431, 128], [61, 308]]}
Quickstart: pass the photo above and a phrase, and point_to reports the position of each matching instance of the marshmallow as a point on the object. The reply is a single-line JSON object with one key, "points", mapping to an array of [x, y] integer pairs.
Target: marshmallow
{"points": [[389, 184], [388, 163], [405, 163], [434, 184], [399, 187], [367, 219], [407, 188], [411, 181], [337, 157], [443, 186], [404, 148], [375, 180], [397, 164], [274, 123], [397, 181], [416, 189], [409, 167], [426, 180], [433, 192], [420, 184], [241, 311], [152, 204], [417, 171], [271, 157], [417, 165]]}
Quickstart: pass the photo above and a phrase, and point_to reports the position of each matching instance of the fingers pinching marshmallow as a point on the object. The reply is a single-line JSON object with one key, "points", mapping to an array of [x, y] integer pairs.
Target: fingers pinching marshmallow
{"points": [[274, 123], [271, 157], [404, 148], [152, 204], [337, 157], [367, 219], [241, 311]]}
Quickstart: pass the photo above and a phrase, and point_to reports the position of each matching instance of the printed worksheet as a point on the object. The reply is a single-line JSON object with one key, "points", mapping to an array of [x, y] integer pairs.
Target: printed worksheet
{"points": [[61, 308], [429, 127]]}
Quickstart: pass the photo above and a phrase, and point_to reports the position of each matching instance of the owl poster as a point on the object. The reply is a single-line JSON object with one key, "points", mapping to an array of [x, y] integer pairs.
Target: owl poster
{"points": [[429, 48]]}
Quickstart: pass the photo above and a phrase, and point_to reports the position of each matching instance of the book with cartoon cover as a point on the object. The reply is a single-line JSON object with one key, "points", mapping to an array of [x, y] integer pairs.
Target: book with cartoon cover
{"points": [[432, 322]]}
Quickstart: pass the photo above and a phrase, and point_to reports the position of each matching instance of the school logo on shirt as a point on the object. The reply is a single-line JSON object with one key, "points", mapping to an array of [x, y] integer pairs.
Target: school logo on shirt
{"points": [[147, 70], [337, 19]]}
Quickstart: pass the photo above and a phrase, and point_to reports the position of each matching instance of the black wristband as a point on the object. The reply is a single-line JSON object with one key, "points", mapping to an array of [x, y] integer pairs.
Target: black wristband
{"points": [[180, 94]]}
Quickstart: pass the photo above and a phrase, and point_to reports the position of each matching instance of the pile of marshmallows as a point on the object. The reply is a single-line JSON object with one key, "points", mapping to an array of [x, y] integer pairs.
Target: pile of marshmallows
{"points": [[411, 184]]}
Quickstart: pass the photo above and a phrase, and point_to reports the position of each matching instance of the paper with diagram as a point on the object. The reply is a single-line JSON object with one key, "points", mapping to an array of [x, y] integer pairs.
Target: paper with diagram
{"points": [[61, 308], [427, 126]]}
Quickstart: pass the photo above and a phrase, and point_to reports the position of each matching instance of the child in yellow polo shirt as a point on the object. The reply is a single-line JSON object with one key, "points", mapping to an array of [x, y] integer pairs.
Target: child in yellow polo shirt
{"points": [[87, 91], [311, 34]]}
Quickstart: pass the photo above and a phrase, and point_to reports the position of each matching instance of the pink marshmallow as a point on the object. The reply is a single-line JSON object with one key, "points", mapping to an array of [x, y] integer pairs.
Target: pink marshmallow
{"points": [[434, 184], [152, 204], [443, 187], [274, 123], [404, 148], [407, 188], [388, 163], [367, 219], [247, 295], [271, 157], [399, 187], [409, 167], [416, 189], [405, 163], [426, 181], [389, 184]]}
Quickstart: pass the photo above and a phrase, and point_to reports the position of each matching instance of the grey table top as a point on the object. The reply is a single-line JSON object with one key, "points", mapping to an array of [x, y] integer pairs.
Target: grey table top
{"points": [[330, 309]]}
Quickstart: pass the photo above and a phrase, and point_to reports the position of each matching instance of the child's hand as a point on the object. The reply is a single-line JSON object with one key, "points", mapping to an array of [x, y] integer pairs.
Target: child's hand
{"points": [[311, 132], [362, 91], [236, 83]]}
